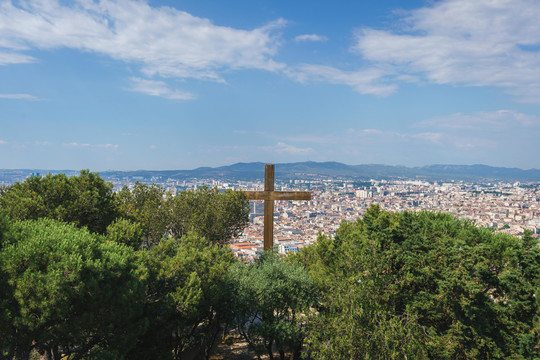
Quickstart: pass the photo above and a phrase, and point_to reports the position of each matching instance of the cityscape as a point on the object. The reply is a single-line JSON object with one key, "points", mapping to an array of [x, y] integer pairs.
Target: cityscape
{"points": [[503, 206]]}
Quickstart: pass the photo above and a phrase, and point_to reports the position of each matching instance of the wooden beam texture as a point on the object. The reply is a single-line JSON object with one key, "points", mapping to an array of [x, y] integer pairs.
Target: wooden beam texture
{"points": [[278, 195]]}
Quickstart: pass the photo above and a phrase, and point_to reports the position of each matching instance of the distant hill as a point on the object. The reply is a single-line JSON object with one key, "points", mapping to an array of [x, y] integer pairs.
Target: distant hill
{"points": [[255, 170]]}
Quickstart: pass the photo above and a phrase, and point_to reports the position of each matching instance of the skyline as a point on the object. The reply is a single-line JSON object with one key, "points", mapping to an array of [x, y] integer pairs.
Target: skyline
{"points": [[127, 85]]}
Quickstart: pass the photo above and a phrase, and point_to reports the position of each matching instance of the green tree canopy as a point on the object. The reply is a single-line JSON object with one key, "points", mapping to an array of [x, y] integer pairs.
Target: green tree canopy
{"points": [[423, 285], [127, 232], [5, 291], [70, 293], [271, 299], [85, 200], [146, 205], [216, 216], [186, 297], [4, 227]]}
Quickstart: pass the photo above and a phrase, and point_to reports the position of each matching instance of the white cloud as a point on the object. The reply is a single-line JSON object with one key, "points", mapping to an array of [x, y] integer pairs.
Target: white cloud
{"points": [[433, 144], [158, 88], [472, 143], [164, 41], [483, 131], [502, 138], [431, 137], [364, 132], [3, 142], [19, 97], [98, 146], [14, 58], [368, 81], [377, 136], [503, 130], [309, 138], [463, 42], [283, 148], [311, 38], [484, 121]]}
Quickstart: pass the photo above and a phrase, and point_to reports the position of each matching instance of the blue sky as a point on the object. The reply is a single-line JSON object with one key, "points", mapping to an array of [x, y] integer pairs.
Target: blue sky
{"points": [[126, 85]]}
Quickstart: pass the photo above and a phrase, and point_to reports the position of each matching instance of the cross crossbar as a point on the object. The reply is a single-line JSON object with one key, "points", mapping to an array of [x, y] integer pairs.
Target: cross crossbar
{"points": [[269, 195], [278, 195]]}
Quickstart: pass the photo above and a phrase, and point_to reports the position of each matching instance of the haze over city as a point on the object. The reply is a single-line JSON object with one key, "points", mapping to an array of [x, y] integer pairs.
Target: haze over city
{"points": [[131, 85]]}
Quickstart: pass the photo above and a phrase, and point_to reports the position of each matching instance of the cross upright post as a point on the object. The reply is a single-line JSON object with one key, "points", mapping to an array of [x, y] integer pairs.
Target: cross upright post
{"points": [[269, 195], [268, 208]]}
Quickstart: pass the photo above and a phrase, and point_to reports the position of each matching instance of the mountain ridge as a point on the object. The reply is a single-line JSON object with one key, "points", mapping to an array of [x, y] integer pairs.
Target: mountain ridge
{"points": [[254, 170], [284, 171]]}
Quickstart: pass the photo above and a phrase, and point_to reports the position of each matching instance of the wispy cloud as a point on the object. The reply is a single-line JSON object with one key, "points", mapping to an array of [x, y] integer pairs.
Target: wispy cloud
{"points": [[478, 130], [501, 137], [309, 138], [487, 134], [432, 137], [377, 136], [19, 97], [240, 132], [97, 146], [311, 38], [368, 81], [483, 131], [283, 148], [3, 142], [279, 150], [457, 42], [484, 121], [158, 88], [164, 41], [462, 42], [14, 58]]}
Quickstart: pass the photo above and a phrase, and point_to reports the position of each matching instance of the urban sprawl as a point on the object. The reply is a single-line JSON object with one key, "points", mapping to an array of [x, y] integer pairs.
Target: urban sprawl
{"points": [[504, 207]]}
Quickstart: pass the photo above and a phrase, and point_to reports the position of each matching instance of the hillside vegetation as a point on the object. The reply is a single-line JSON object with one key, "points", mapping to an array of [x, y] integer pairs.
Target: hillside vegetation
{"points": [[89, 274]]}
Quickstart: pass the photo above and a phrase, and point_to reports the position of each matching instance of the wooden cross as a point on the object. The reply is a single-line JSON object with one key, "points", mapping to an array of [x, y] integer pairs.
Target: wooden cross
{"points": [[269, 195]]}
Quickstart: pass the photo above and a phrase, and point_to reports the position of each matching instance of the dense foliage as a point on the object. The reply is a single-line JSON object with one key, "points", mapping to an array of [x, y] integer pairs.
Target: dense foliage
{"points": [[5, 291], [424, 285], [85, 200], [145, 205], [217, 216], [185, 299], [271, 298], [141, 216], [140, 290], [70, 293], [88, 274]]}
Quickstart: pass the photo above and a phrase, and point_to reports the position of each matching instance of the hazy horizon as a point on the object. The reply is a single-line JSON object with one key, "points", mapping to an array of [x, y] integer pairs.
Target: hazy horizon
{"points": [[254, 162]]}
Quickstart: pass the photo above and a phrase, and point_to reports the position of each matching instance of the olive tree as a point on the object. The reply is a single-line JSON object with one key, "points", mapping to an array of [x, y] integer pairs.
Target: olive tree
{"points": [[272, 298]]}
